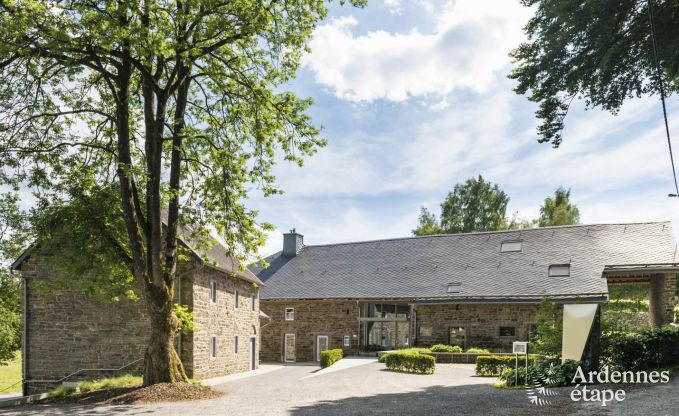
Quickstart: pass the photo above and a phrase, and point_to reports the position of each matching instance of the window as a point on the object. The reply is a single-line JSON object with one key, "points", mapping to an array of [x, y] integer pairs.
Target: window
{"points": [[289, 314], [454, 288], [347, 341], [213, 346], [510, 246], [507, 331], [213, 292], [559, 270], [457, 335], [532, 331], [253, 298], [236, 296], [235, 344]]}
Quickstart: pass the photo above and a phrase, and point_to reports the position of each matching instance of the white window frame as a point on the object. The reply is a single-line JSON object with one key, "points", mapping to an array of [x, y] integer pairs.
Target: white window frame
{"points": [[213, 291], [236, 299], [559, 270], [235, 345], [290, 310], [511, 246], [346, 341], [213, 347]]}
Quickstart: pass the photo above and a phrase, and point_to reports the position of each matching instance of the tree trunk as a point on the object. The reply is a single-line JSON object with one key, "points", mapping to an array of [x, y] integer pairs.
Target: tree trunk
{"points": [[161, 362]]}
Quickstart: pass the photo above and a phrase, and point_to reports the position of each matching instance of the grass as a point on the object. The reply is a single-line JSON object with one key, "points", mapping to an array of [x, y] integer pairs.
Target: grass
{"points": [[126, 380], [11, 374]]}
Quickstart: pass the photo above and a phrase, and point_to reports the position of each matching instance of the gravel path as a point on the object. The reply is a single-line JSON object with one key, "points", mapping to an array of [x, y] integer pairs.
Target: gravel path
{"points": [[369, 389]]}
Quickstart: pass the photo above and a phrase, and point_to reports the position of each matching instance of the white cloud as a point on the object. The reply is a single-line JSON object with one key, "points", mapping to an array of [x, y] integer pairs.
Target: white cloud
{"points": [[466, 50], [394, 6]]}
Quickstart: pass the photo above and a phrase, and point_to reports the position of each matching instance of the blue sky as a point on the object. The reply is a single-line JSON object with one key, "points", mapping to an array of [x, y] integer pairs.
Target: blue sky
{"points": [[413, 98]]}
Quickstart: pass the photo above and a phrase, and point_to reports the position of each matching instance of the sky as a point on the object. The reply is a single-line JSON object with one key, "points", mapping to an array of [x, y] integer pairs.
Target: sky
{"points": [[413, 97]]}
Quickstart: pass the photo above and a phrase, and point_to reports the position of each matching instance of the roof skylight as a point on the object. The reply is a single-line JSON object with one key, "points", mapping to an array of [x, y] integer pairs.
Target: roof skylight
{"points": [[559, 270], [454, 288], [510, 246]]}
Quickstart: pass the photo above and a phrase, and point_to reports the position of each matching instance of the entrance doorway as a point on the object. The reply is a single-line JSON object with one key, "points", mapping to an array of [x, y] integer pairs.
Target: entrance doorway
{"points": [[289, 348], [253, 352], [457, 336], [321, 345]]}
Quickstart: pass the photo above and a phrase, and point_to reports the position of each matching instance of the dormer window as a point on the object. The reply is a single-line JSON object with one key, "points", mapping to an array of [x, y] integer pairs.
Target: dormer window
{"points": [[454, 288], [559, 270], [510, 246]]}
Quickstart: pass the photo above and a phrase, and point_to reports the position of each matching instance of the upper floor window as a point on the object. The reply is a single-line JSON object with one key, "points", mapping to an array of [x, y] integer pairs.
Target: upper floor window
{"points": [[235, 344], [253, 298], [236, 299], [289, 314], [213, 292], [557, 270]]}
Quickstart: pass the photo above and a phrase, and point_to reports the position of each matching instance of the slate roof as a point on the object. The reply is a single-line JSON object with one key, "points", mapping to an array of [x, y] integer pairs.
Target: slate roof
{"points": [[422, 267]]}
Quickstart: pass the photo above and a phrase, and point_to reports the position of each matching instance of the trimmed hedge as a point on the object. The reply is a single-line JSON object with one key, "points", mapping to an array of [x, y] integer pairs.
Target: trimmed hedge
{"points": [[652, 349], [409, 362], [445, 348], [478, 350], [494, 365], [330, 357], [550, 374]]}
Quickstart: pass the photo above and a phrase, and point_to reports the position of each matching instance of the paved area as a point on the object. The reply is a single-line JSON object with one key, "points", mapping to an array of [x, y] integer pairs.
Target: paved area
{"points": [[369, 389]]}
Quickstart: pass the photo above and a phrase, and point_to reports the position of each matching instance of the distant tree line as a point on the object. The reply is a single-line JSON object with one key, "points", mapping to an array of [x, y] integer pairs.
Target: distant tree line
{"points": [[479, 205]]}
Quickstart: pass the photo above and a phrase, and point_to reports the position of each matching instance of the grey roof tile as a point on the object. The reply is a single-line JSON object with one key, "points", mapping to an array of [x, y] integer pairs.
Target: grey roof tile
{"points": [[422, 267]]}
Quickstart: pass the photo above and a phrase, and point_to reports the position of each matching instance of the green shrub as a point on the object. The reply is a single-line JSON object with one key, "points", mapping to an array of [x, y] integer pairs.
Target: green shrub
{"points": [[494, 365], [655, 348], [477, 351], [410, 362], [547, 374], [445, 348], [330, 357]]}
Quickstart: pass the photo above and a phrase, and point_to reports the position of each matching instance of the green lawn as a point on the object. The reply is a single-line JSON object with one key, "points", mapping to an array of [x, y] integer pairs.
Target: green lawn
{"points": [[10, 374]]}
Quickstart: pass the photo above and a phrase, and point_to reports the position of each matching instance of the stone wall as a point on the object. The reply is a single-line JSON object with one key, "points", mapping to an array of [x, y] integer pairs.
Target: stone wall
{"points": [[224, 321], [67, 331], [482, 323], [312, 318]]}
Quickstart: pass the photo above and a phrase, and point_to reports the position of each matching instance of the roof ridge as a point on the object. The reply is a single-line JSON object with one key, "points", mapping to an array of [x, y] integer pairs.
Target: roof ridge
{"points": [[486, 232]]}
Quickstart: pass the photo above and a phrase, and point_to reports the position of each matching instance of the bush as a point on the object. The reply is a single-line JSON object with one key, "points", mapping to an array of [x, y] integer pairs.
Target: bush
{"points": [[477, 351], [494, 365], [409, 362], [445, 348], [655, 348], [330, 357], [547, 374]]}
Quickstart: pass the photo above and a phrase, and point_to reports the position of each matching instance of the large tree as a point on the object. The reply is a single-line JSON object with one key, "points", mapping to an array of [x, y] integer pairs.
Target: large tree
{"points": [[558, 210], [177, 105], [476, 205], [601, 51]]}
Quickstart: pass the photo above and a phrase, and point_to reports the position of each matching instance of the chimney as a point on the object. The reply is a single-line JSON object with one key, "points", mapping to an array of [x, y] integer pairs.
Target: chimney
{"points": [[292, 243]]}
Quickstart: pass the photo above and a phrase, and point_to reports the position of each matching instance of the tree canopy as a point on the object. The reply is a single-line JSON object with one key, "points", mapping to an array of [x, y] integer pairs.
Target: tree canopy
{"points": [[601, 51], [558, 210], [177, 107], [477, 205]]}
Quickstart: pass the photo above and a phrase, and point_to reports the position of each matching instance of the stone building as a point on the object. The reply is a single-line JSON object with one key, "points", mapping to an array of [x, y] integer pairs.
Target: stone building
{"points": [[69, 335], [472, 290]]}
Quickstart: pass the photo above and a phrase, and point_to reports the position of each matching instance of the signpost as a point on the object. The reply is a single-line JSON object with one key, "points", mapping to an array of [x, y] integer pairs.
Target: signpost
{"points": [[519, 347]]}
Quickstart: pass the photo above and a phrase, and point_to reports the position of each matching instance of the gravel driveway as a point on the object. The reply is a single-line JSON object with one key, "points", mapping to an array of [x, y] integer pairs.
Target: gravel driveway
{"points": [[369, 389]]}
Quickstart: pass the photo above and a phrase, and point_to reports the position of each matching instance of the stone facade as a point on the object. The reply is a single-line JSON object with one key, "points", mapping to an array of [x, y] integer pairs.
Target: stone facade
{"points": [[67, 331], [334, 319], [224, 321], [481, 322], [431, 325]]}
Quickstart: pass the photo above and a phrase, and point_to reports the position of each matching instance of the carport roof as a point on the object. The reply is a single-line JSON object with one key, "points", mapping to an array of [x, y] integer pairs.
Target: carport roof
{"points": [[424, 267]]}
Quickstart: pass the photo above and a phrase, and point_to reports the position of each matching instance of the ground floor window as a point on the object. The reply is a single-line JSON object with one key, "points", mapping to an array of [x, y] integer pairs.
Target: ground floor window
{"points": [[507, 331], [347, 341], [385, 334], [213, 346]]}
